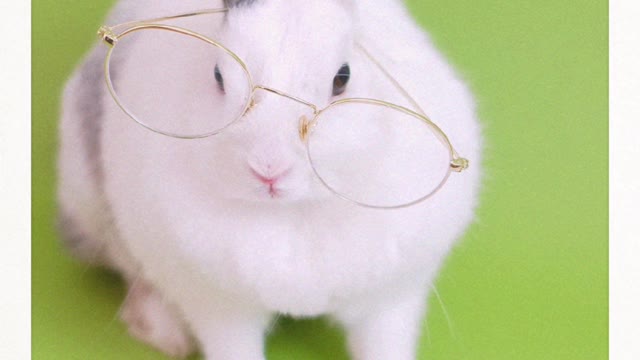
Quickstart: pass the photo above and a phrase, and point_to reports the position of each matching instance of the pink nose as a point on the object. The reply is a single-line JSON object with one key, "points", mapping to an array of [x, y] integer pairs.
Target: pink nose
{"points": [[266, 180], [270, 179]]}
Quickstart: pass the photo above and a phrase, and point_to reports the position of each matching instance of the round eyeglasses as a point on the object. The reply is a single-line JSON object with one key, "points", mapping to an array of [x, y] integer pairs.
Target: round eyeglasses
{"points": [[371, 152]]}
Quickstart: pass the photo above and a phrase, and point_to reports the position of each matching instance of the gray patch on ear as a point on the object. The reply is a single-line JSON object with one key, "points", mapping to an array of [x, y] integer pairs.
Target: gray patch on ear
{"points": [[237, 3]]}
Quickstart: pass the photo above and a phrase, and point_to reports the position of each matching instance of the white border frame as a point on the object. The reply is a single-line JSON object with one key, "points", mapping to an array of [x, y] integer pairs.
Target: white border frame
{"points": [[15, 181], [624, 180]]}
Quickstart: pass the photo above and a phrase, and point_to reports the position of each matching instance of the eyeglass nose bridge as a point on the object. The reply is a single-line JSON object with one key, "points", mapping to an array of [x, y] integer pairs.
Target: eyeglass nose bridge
{"points": [[283, 94], [304, 122]]}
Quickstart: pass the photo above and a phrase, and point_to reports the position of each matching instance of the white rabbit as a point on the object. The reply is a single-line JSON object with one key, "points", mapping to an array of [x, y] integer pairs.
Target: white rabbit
{"points": [[207, 250]]}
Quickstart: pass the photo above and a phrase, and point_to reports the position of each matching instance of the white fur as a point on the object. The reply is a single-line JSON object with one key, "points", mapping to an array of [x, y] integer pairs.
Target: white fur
{"points": [[192, 220]]}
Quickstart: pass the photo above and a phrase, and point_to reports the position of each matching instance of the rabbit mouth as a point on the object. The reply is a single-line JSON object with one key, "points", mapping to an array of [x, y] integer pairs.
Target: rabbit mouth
{"points": [[274, 192], [279, 193]]}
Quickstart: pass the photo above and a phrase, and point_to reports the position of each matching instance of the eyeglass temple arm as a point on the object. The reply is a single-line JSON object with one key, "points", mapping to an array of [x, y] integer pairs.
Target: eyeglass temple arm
{"points": [[457, 163], [107, 32]]}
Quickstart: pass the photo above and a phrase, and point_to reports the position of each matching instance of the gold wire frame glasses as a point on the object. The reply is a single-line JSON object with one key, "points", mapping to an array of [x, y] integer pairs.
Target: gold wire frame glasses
{"points": [[307, 127]]}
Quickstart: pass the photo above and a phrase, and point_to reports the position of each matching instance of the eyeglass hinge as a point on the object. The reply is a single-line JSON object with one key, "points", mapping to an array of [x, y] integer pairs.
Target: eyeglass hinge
{"points": [[107, 35], [459, 164], [304, 128]]}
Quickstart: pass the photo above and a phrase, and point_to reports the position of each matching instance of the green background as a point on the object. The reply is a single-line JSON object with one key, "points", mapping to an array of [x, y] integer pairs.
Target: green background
{"points": [[529, 281]]}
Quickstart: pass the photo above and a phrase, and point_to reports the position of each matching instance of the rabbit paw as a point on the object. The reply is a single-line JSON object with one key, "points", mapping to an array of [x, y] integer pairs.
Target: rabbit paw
{"points": [[151, 320]]}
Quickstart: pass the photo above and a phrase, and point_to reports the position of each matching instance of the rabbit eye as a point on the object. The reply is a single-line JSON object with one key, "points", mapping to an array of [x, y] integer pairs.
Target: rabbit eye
{"points": [[219, 78], [341, 79]]}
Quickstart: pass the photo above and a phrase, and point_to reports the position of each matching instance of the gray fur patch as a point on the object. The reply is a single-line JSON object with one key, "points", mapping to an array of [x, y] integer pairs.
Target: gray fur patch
{"points": [[90, 102], [90, 109], [237, 3]]}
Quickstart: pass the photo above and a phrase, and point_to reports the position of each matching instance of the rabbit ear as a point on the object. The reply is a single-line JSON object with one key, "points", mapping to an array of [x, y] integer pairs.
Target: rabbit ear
{"points": [[237, 3]]}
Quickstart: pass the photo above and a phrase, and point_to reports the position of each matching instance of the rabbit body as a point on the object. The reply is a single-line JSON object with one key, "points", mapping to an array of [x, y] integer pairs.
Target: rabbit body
{"points": [[215, 256]]}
